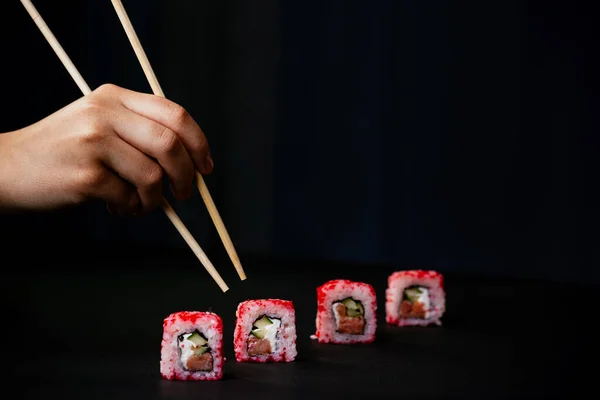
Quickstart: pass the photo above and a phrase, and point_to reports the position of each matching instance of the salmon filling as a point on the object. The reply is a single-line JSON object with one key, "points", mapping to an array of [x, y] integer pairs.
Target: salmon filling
{"points": [[415, 303], [258, 347], [349, 317], [194, 352], [200, 363], [262, 340]]}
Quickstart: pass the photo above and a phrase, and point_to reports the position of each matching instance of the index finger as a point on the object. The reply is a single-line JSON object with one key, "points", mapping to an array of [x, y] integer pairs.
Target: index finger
{"points": [[174, 117]]}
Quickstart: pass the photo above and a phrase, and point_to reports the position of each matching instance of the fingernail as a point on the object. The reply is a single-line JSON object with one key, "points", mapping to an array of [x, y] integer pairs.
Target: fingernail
{"points": [[208, 163]]}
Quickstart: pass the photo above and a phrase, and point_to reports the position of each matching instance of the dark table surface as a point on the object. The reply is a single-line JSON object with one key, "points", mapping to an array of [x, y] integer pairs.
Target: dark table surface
{"points": [[88, 324]]}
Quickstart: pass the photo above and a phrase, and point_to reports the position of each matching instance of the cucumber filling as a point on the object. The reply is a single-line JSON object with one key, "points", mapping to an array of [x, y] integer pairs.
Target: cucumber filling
{"points": [[262, 339], [415, 302], [194, 352], [349, 316]]}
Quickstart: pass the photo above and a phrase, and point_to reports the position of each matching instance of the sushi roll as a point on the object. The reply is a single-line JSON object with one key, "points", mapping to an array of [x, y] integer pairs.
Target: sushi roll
{"points": [[346, 312], [265, 331], [415, 298], [192, 347]]}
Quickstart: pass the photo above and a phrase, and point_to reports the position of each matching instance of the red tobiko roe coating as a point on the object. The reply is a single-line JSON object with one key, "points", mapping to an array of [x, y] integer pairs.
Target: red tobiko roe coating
{"points": [[287, 304], [193, 317], [419, 274], [239, 341], [339, 283], [324, 288], [435, 278]]}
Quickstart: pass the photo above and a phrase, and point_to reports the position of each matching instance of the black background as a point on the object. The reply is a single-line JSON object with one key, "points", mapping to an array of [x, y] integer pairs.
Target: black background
{"points": [[350, 139], [453, 136], [75, 329]]}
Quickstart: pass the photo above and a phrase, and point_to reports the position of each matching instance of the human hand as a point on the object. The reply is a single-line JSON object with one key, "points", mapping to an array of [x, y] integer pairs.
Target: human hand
{"points": [[113, 145]]}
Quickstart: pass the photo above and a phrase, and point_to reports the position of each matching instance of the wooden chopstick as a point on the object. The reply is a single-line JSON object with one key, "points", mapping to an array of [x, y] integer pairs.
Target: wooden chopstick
{"points": [[181, 228], [157, 90]]}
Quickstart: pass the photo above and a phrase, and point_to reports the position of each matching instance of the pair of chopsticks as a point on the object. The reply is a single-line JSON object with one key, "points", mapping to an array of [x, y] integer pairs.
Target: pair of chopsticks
{"points": [[157, 90]]}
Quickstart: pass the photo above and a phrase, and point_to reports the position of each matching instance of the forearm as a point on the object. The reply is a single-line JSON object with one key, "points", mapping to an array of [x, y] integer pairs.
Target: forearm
{"points": [[7, 203]]}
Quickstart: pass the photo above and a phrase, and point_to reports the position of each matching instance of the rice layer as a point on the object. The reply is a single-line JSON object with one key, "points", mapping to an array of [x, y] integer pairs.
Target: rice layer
{"points": [[248, 312], [337, 290], [400, 280], [209, 325]]}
